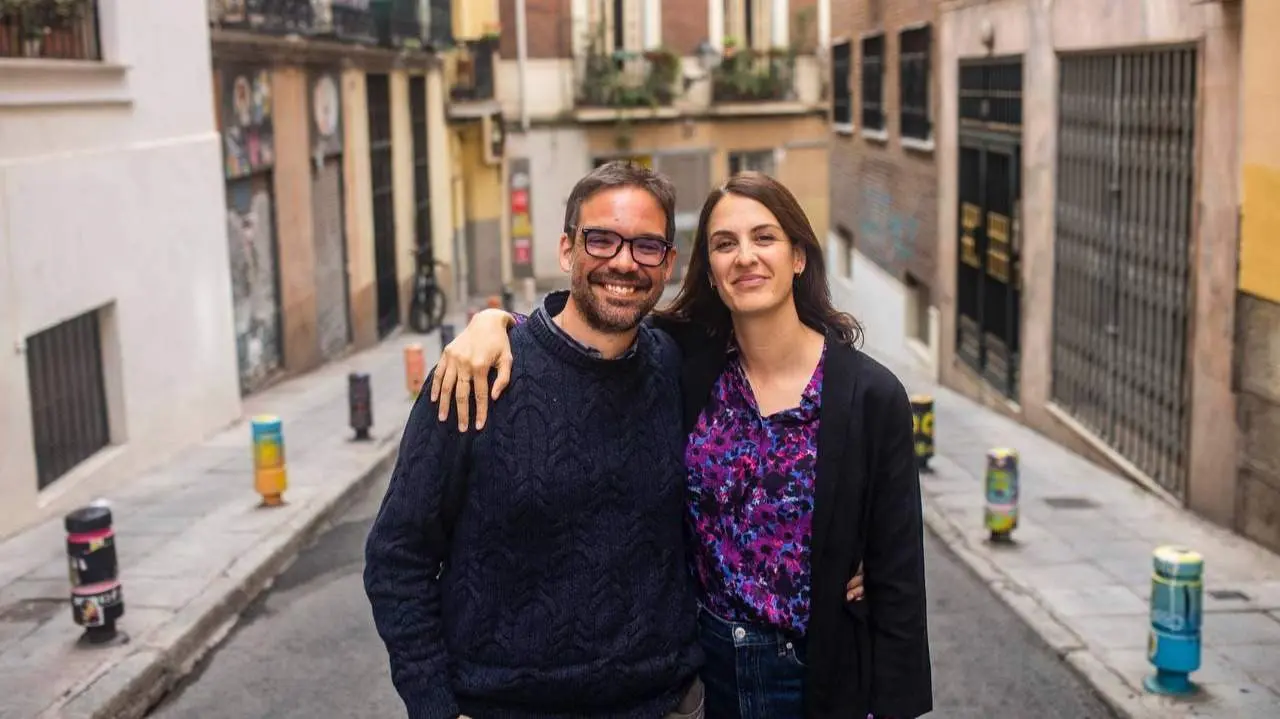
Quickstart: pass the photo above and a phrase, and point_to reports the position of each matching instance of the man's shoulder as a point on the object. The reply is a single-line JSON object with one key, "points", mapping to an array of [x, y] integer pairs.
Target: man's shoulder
{"points": [[665, 351]]}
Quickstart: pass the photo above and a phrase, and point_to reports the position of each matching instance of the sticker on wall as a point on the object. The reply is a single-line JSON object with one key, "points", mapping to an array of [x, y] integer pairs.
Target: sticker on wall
{"points": [[326, 114]]}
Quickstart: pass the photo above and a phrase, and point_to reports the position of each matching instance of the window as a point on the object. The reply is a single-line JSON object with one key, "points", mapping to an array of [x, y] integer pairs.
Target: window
{"points": [[70, 36], [913, 65], [873, 83], [841, 93], [68, 395], [751, 161]]}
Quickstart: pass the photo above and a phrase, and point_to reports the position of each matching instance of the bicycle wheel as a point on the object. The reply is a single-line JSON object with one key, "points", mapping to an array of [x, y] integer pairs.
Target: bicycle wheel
{"points": [[438, 305], [419, 317]]}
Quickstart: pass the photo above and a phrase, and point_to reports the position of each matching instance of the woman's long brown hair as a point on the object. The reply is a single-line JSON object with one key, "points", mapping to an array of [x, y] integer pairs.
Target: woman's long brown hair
{"points": [[698, 301]]}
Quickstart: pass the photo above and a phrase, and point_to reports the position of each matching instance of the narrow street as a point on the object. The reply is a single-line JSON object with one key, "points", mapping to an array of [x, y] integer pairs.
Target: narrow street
{"points": [[308, 648]]}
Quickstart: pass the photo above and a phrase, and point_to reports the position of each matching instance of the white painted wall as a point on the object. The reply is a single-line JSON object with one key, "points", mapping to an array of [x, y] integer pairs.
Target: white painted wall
{"points": [[558, 158], [111, 194], [551, 87], [874, 297]]}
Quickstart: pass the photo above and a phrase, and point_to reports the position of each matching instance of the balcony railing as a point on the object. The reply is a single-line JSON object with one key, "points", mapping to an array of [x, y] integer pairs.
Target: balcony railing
{"points": [[628, 79], [389, 23], [473, 79], [754, 76], [50, 29]]}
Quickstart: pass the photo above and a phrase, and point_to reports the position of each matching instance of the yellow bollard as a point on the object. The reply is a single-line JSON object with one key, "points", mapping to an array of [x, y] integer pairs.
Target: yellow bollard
{"points": [[270, 477], [415, 369]]}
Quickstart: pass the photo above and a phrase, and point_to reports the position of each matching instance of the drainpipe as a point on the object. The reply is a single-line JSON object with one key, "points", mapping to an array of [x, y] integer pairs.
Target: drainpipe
{"points": [[522, 63]]}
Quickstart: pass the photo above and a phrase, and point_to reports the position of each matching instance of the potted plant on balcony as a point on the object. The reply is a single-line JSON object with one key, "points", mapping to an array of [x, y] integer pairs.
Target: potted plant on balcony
{"points": [[35, 20], [664, 71]]}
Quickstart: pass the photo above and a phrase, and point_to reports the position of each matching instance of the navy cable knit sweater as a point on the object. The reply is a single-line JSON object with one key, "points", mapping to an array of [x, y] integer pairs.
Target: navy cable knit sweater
{"points": [[566, 591]]}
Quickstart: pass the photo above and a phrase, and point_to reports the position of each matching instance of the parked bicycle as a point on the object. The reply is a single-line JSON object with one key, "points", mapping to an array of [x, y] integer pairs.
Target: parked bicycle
{"points": [[427, 308]]}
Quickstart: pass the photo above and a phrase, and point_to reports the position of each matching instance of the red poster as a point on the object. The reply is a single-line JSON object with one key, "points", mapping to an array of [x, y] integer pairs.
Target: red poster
{"points": [[520, 201]]}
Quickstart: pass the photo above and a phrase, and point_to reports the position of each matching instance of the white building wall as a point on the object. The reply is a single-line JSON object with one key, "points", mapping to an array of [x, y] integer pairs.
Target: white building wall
{"points": [[558, 158], [111, 196], [877, 300]]}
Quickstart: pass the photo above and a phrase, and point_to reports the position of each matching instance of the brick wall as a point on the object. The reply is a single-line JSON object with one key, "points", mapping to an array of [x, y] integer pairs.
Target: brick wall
{"points": [[804, 24], [883, 193], [550, 28], [684, 25]]}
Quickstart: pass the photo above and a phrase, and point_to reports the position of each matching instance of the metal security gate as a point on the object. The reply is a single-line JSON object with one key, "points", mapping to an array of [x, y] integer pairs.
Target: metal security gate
{"points": [[384, 210], [421, 169], [988, 288], [1122, 290], [332, 318]]}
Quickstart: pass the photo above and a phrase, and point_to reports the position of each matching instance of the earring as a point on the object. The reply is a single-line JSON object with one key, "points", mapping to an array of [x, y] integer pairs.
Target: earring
{"points": [[711, 282]]}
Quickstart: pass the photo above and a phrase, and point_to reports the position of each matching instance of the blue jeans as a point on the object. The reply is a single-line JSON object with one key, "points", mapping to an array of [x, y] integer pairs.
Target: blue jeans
{"points": [[751, 672]]}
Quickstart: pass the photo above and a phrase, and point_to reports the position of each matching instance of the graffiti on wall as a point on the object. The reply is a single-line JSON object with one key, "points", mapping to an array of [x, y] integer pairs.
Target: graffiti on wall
{"points": [[332, 320], [326, 114], [248, 138], [255, 296]]}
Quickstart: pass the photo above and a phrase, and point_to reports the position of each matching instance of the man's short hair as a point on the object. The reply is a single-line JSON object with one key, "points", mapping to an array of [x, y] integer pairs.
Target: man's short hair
{"points": [[622, 173]]}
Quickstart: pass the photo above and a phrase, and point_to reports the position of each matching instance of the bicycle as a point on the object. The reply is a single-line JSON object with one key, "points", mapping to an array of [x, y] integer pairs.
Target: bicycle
{"points": [[429, 304]]}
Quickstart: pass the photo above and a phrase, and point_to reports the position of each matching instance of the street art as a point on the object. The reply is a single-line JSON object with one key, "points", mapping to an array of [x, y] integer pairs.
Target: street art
{"points": [[887, 234], [255, 296], [248, 139]]}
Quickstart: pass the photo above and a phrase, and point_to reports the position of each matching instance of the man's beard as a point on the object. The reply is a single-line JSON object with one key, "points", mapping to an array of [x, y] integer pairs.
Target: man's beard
{"points": [[603, 316]]}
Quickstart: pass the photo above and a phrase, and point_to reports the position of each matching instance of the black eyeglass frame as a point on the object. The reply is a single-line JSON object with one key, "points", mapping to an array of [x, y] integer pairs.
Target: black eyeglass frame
{"points": [[667, 245]]}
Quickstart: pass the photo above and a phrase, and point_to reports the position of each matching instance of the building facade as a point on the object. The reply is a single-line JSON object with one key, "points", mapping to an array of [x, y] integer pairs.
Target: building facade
{"points": [[1088, 198], [883, 241], [1258, 325], [332, 117], [696, 89], [113, 250]]}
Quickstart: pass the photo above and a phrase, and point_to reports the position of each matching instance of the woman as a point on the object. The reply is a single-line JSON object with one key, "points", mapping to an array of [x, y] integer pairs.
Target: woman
{"points": [[801, 469]]}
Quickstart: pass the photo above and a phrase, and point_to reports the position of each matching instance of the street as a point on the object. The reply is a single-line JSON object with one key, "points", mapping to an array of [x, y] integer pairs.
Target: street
{"points": [[308, 648]]}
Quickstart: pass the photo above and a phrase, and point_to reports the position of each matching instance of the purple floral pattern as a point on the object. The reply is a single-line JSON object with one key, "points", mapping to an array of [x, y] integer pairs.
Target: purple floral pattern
{"points": [[751, 484]]}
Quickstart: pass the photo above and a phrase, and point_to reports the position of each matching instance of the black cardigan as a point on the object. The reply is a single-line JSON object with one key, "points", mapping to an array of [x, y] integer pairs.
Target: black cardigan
{"points": [[872, 655]]}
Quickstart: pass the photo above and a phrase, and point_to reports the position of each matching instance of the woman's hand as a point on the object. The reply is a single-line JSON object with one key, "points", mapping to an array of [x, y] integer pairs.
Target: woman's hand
{"points": [[465, 363], [853, 590]]}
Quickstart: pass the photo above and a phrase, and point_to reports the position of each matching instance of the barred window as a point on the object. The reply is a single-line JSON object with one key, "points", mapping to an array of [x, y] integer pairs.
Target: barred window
{"points": [[841, 93], [913, 65], [873, 83]]}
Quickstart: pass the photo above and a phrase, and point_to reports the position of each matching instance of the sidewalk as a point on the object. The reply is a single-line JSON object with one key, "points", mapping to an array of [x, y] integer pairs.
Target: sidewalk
{"points": [[1080, 575], [193, 545]]}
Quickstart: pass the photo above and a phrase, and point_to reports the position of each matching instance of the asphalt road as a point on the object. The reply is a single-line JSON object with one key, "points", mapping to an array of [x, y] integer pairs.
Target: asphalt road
{"points": [[308, 648]]}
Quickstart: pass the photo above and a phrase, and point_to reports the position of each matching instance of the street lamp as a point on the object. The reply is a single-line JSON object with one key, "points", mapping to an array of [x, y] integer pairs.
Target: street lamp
{"points": [[708, 59]]}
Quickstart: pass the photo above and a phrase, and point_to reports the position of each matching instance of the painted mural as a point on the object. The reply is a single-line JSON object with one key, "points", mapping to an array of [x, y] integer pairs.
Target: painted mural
{"points": [[254, 290], [332, 320], [248, 135]]}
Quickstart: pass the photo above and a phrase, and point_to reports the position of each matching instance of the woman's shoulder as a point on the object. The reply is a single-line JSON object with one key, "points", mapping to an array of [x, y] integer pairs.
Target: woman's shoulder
{"points": [[874, 382]]}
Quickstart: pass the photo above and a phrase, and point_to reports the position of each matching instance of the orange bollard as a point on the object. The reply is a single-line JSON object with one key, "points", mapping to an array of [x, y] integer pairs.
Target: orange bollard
{"points": [[494, 302], [415, 369]]}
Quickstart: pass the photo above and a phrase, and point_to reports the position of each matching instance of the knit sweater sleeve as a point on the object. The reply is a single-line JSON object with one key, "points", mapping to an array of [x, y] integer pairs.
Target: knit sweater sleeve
{"points": [[402, 566]]}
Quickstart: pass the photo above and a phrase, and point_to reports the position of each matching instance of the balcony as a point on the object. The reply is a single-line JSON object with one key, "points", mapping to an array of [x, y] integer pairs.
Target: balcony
{"points": [[625, 79], [753, 76], [49, 29], [473, 79], [396, 24], [411, 24]]}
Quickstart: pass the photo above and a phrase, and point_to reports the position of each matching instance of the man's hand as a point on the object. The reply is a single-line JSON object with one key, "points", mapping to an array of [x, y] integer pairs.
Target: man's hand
{"points": [[465, 363], [853, 590]]}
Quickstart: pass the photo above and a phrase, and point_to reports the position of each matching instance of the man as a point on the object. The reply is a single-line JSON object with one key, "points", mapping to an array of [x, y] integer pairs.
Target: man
{"points": [[564, 589]]}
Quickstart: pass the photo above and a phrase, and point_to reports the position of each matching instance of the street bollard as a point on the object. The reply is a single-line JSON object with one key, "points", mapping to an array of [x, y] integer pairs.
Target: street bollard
{"points": [[97, 599], [922, 421], [1002, 494], [1173, 645], [508, 299], [415, 369], [493, 303], [360, 402], [446, 336], [270, 475]]}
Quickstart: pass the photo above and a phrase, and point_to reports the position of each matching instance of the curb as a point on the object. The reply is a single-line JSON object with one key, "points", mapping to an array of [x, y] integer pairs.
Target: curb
{"points": [[1106, 683], [128, 690]]}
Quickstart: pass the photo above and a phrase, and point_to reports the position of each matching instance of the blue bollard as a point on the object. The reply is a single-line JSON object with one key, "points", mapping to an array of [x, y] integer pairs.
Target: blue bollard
{"points": [[1177, 607]]}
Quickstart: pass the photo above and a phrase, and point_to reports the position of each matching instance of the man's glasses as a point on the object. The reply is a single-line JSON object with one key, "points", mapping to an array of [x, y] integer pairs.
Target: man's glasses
{"points": [[646, 250]]}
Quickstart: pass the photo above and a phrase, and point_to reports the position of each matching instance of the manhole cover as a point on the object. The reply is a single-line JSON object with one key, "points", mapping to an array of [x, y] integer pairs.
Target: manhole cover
{"points": [[1070, 503], [1229, 595], [31, 610]]}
